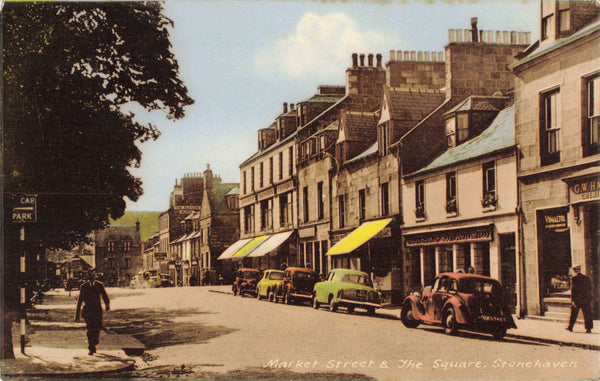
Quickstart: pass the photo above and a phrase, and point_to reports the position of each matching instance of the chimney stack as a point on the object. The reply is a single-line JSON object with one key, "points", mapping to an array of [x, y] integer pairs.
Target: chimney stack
{"points": [[285, 109], [292, 108], [137, 225], [474, 33], [362, 60], [370, 60], [379, 57], [354, 60]]}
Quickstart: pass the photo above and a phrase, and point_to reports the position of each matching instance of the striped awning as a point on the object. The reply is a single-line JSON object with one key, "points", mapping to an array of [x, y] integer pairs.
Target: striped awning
{"points": [[249, 247], [270, 244], [231, 250]]}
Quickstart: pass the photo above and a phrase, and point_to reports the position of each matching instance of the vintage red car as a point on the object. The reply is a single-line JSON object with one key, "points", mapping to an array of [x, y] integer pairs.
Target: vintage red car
{"points": [[245, 281], [460, 301], [297, 285]]}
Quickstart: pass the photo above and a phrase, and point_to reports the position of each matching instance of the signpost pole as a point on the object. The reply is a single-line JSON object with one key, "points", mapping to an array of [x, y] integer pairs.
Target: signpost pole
{"points": [[23, 293]]}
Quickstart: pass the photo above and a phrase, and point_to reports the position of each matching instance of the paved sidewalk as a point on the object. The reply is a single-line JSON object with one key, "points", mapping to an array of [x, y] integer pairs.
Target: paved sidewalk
{"points": [[60, 349], [545, 331]]}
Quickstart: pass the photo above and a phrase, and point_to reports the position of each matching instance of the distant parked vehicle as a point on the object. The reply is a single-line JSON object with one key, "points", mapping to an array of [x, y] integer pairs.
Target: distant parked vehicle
{"points": [[73, 284], [297, 285], [267, 286], [460, 301], [347, 288], [245, 281], [165, 280]]}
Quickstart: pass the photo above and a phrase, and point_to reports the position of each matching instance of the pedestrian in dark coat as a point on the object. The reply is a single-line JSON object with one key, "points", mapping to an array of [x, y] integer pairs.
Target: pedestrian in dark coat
{"points": [[581, 298], [90, 293]]}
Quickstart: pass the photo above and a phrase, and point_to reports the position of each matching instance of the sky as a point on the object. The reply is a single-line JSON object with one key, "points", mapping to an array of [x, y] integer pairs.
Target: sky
{"points": [[240, 60]]}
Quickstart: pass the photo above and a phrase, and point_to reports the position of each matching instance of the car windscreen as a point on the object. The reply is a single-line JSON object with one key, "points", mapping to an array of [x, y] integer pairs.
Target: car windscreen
{"points": [[302, 275], [276, 276], [473, 285], [251, 274], [358, 279]]}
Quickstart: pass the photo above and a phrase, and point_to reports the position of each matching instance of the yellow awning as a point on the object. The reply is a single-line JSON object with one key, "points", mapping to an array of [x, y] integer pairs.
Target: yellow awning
{"points": [[247, 249], [359, 236], [231, 250]]}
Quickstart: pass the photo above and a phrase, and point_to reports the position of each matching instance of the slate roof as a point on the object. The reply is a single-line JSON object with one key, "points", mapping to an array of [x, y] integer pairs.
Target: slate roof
{"points": [[498, 136], [117, 233], [538, 50], [479, 103], [318, 98], [233, 192], [360, 126], [408, 105], [216, 197], [369, 151]]}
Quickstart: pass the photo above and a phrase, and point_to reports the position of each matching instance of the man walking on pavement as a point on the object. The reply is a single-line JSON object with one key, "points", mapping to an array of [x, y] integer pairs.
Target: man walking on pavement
{"points": [[89, 295], [581, 298]]}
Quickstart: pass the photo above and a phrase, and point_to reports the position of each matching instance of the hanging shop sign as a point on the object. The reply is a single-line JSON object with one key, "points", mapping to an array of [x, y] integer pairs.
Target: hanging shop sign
{"points": [[474, 234]]}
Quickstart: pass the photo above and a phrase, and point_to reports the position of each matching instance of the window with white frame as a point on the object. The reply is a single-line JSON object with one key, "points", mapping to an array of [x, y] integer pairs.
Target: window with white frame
{"points": [[550, 127]]}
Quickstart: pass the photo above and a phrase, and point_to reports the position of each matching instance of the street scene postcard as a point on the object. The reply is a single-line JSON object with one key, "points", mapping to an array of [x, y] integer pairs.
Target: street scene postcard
{"points": [[301, 190]]}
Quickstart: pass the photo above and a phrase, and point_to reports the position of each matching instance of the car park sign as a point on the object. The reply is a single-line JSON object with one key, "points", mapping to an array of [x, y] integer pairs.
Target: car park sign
{"points": [[24, 208]]}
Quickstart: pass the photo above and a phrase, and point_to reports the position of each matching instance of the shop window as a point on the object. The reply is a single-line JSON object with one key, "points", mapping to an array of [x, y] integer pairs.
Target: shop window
{"points": [[549, 128], [489, 185], [362, 207], [320, 200], [451, 206], [285, 209], [342, 211], [385, 199], [420, 199], [591, 131], [280, 165], [266, 214], [305, 203]]}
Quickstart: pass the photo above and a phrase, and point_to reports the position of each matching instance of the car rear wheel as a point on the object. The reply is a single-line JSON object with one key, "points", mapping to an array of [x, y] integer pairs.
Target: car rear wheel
{"points": [[287, 298], [407, 316], [351, 310], [271, 296], [499, 333], [234, 291], [450, 325], [371, 311], [315, 303]]}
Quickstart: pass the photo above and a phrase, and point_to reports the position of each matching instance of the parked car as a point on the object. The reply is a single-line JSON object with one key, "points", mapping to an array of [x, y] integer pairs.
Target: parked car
{"points": [[460, 301], [347, 288], [165, 280], [245, 281], [267, 286], [298, 284]]}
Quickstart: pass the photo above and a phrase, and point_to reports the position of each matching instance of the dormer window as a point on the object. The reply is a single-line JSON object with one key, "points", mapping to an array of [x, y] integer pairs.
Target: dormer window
{"points": [[457, 129], [384, 138], [451, 132], [547, 20], [564, 16]]}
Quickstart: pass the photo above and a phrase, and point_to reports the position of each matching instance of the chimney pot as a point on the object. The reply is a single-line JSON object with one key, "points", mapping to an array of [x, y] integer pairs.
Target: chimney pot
{"points": [[379, 59], [474, 33], [413, 55], [362, 60], [468, 35], [420, 56], [505, 37], [406, 56], [292, 107], [451, 35], [285, 109], [370, 57], [354, 60], [392, 55]]}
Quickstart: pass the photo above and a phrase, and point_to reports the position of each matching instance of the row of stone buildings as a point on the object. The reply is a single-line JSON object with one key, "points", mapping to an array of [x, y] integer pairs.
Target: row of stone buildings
{"points": [[201, 222], [483, 155]]}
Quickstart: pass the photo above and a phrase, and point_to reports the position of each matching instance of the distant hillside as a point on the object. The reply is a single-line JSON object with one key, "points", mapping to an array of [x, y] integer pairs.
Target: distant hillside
{"points": [[148, 222]]}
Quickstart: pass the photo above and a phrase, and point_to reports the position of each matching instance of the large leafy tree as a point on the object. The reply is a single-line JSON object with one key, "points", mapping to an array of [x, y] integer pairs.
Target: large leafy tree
{"points": [[68, 70]]}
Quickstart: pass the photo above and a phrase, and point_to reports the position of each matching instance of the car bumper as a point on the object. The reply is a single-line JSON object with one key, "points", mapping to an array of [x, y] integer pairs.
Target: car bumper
{"points": [[356, 303], [297, 295]]}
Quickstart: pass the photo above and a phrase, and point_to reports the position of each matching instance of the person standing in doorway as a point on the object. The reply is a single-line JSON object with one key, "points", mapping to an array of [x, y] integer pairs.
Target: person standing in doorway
{"points": [[581, 298], [89, 295]]}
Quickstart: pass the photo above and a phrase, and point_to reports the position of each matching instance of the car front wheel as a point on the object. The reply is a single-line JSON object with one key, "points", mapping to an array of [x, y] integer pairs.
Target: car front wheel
{"points": [[315, 303], [286, 298], [450, 325], [332, 306], [258, 294], [407, 316]]}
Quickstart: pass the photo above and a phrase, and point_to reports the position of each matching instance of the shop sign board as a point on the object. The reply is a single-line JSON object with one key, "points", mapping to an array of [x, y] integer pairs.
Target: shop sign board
{"points": [[554, 219], [160, 256], [474, 234], [584, 190]]}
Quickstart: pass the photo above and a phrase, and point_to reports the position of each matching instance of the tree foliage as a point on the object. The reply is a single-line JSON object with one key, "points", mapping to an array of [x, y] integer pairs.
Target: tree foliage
{"points": [[68, 68]]}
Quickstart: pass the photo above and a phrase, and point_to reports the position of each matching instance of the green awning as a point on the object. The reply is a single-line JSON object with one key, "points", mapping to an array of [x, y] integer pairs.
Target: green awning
{"points": [[358, 236]]}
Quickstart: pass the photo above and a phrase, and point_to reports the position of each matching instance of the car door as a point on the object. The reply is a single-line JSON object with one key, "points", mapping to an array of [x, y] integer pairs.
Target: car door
{"points": [[440, 297]]}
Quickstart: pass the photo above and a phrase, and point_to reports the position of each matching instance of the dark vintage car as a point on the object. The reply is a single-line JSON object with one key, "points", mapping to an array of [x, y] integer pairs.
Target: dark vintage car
{"points": [[460, 301], [297, 285], [245, 281]]}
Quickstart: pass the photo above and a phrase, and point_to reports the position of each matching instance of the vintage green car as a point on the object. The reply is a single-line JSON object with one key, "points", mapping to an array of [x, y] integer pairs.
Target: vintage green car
{"points": [[347, 288], [268, 285]]}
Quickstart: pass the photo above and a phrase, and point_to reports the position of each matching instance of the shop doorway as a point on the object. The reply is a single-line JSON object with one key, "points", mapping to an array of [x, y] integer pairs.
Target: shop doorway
{"points": [[508, 268], [592, 251]]}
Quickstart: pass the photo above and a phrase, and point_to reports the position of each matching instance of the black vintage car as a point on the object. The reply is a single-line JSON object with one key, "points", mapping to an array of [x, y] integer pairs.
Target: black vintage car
{"points": [[297, 285], [458, 300]]}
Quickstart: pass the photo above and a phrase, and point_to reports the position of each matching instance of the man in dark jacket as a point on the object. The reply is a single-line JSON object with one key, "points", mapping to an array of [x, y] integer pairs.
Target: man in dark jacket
{"points": [[581, 298], [89, 295]]}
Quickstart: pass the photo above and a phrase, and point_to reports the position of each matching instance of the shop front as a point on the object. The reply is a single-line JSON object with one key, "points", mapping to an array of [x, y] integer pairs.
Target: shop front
{"points": [[313, 246], [481, 249]]}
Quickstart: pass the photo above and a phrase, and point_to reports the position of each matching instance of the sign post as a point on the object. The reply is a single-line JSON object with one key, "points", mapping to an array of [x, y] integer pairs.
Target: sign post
{"points": [[24, 211]]}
